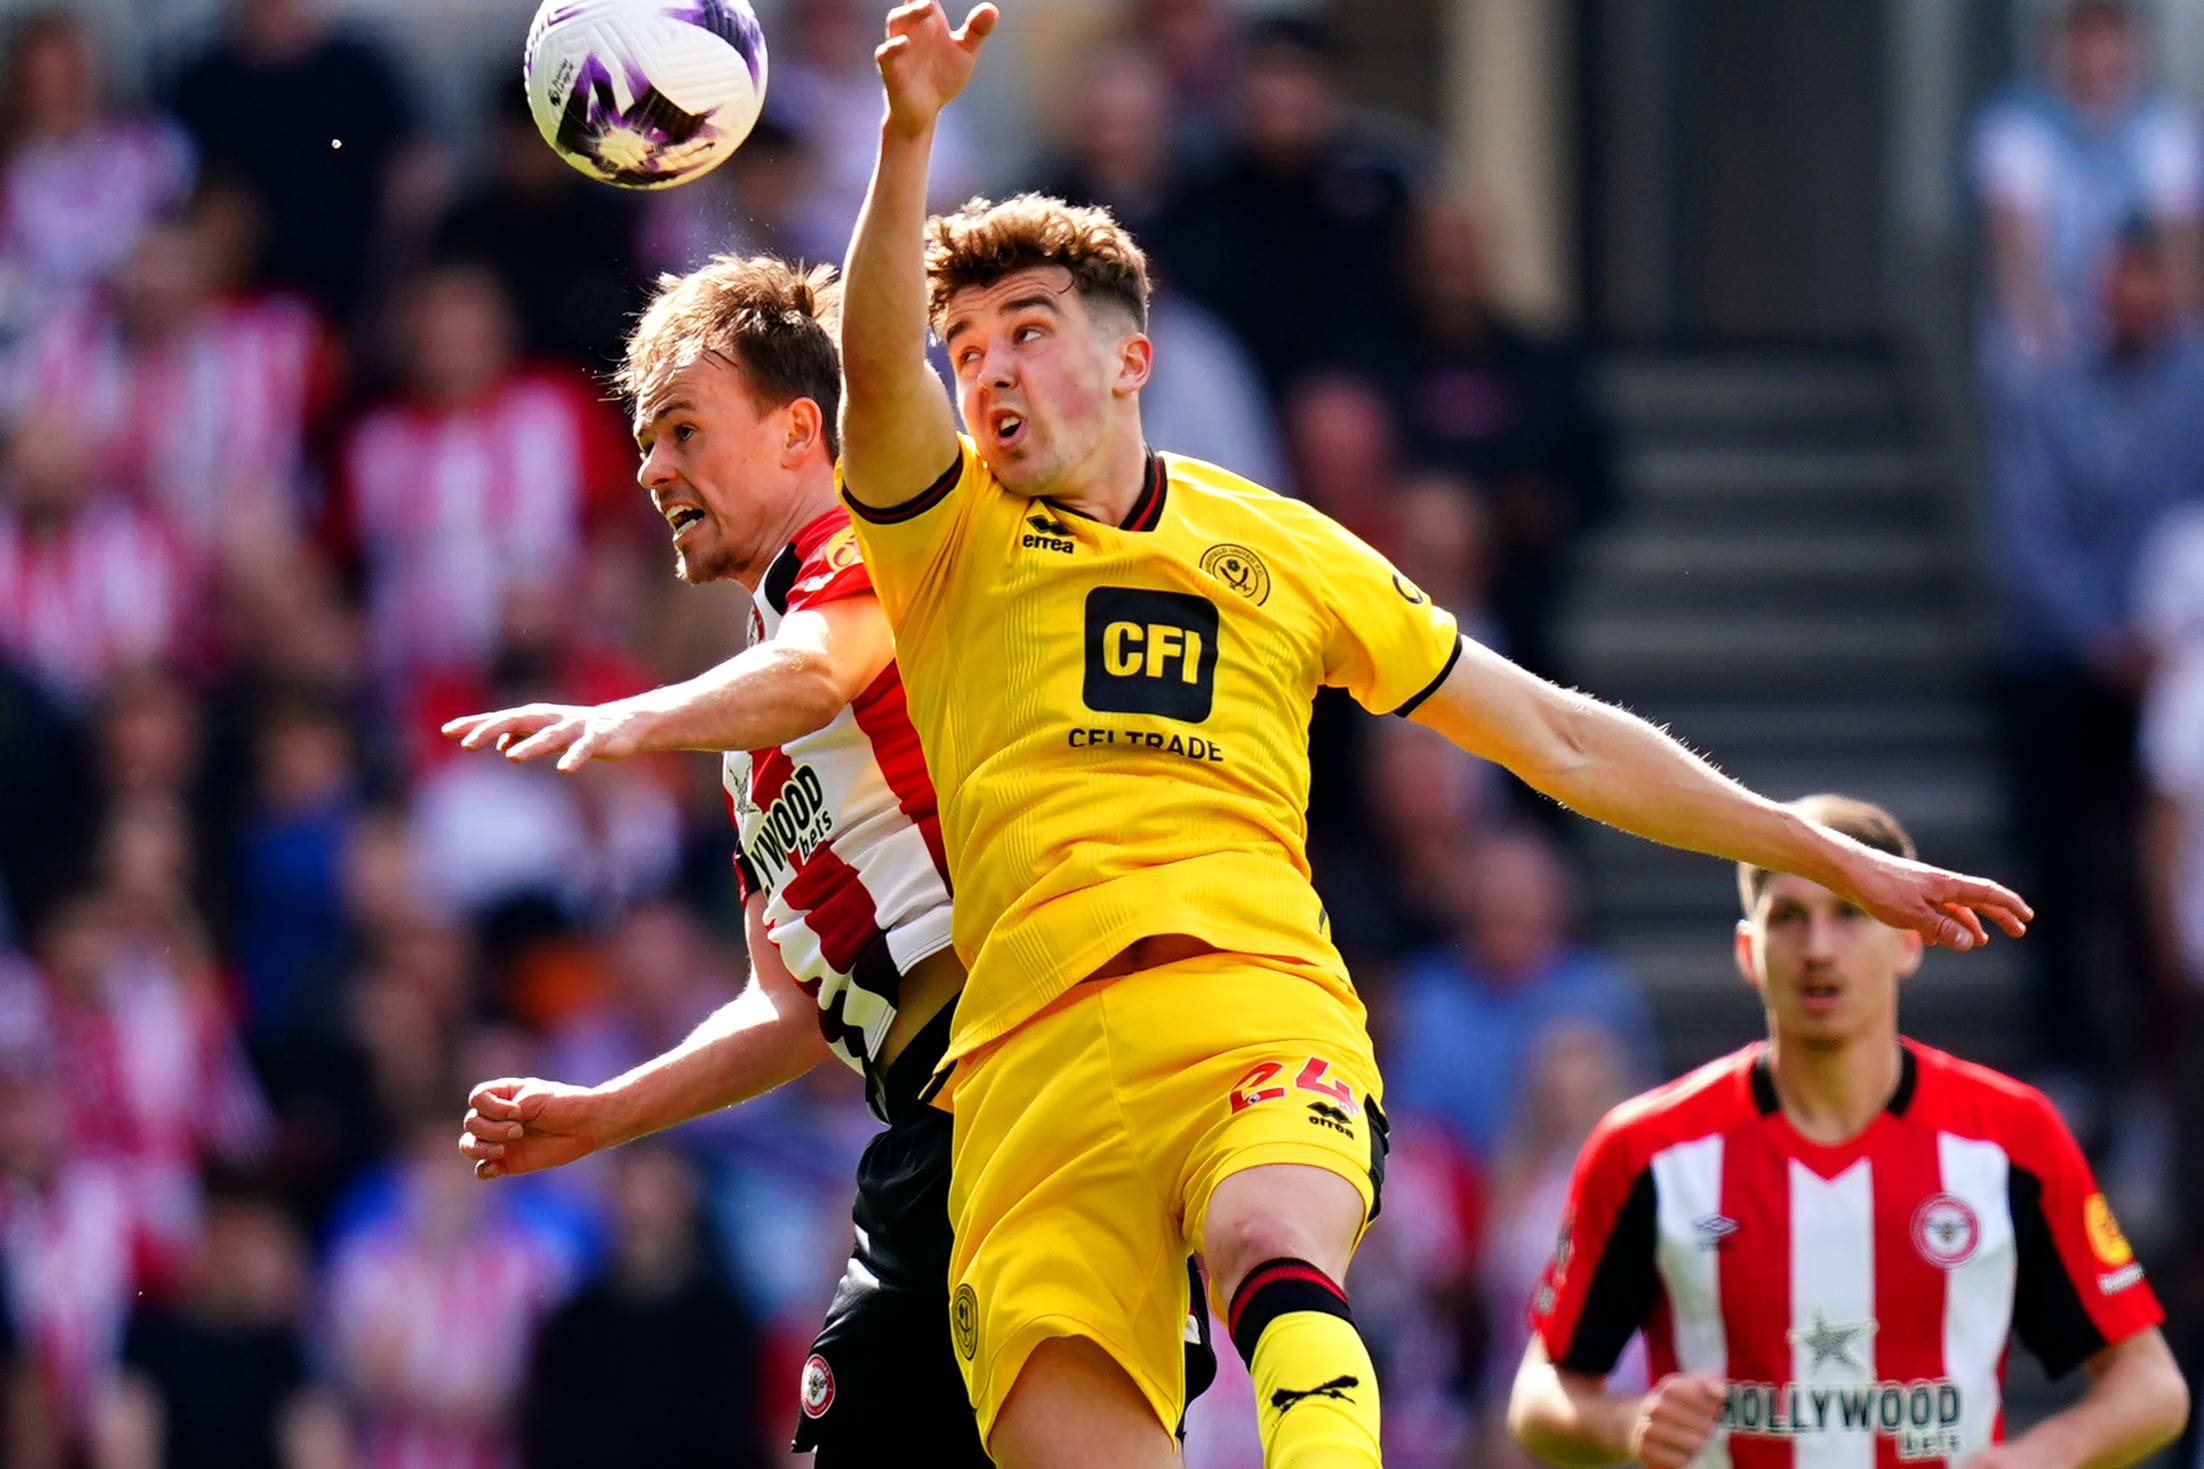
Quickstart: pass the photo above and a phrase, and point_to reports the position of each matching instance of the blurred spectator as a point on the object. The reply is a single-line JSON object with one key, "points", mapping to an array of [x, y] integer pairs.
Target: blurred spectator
{"points": [[2064, 165], [78, 179], [1576, 1071], [1414, 1294], [1514, 413], [2170, 609], [157, 1080], [562, 244], [1205, 399], [1295, 237], [1391, 835], [90, 583], [220, 1379], [432, 1306], [658, 1324], [49, 786], [198, 403], [332, 163], [1199, 45], [2084, 457], [1465, 1014], [65, 1253], [827, 92], [474, 485], [291, 939], [1446, 547], [1117, 149], [1344, 438]]}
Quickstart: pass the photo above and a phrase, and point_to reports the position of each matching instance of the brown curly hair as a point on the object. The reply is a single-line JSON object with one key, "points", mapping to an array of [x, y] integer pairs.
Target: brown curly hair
{"points": [[776, 321], [985, 241]]}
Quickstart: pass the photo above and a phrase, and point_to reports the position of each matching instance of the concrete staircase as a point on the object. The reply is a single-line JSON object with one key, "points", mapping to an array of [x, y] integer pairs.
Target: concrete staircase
{"points": [[1788, 590]]}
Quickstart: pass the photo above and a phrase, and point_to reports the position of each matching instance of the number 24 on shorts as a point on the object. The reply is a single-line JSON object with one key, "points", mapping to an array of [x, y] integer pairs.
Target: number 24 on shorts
{"points": [[1257, 1085]]}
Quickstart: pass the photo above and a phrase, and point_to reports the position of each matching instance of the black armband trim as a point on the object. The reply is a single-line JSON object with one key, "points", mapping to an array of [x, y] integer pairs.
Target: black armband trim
{"points": [[1432, 687], [912, 508]]}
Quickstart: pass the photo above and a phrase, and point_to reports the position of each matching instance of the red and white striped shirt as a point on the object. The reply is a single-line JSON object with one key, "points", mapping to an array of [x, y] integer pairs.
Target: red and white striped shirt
{"points": [[86, 597], [838, 828], [1859, 1299], [208, 424], [457, 507]]}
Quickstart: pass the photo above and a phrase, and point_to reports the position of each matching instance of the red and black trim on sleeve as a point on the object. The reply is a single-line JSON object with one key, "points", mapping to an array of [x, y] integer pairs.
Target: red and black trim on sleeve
{"points": [[1619, 1298], [912, 508]]}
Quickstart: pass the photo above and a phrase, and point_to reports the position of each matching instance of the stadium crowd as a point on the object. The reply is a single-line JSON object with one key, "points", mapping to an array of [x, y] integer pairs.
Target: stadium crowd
{"points": [[305, 448]]}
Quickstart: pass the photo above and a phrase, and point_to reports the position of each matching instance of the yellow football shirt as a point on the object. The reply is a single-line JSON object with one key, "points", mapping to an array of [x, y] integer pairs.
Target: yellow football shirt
{"points": [[1116, 717]]}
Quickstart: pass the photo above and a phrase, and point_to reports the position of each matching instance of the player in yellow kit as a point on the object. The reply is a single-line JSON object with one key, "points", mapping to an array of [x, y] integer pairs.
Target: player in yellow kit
{"points": [[1109, 656]]}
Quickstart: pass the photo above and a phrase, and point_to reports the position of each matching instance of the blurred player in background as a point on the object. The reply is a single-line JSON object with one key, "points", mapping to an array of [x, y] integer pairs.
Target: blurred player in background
{"points": [[1831, 1238], [1110, 655]]}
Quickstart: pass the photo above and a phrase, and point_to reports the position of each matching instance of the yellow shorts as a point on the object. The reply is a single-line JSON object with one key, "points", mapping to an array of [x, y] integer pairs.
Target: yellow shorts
{"points": [[1089, 1139]]}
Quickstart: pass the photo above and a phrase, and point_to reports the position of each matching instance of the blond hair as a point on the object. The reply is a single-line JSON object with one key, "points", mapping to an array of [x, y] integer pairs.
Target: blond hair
{"points": [[1863, 821], [985, 241], [774, 321]]}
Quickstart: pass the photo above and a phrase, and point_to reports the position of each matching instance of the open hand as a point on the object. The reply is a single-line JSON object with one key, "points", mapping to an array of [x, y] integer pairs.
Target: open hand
{"points": [[1675, 1419], [577, 733], [1944, 908], [923, 63], [522, 1124]]}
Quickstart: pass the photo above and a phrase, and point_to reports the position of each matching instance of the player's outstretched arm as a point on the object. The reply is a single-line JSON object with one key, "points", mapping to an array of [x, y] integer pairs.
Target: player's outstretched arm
{"points": [[2136, 1403], [1571, 1419], [764, 1037], [1612, 766], [898, 433], [822, 658]]}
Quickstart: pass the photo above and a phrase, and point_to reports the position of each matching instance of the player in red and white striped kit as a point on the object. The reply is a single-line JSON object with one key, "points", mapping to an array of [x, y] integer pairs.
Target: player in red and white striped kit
{"points": [[735, 380], [1831, 1238]]}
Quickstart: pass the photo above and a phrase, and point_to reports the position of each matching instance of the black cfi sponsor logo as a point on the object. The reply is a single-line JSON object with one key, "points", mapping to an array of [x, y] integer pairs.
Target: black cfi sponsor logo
{"points": [[1324, 1114], [1047, 534], [1151, 652], [1336, 1389]]}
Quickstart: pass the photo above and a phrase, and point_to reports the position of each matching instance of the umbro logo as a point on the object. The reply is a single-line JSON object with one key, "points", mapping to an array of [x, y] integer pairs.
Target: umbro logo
{"points": [[1336, 1389], [1713, 1230], [1048, 534]]}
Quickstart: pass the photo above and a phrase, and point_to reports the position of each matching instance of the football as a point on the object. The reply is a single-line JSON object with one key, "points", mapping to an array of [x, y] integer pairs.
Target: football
{"points": [[645, 94]]}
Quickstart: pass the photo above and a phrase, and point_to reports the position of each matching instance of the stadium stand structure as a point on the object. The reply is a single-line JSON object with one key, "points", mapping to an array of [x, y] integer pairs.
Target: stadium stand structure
{"points": [[1789, 588]]}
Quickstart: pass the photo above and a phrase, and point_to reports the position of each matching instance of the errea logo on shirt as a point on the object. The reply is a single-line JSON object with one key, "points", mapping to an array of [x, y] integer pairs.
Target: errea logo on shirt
{"points": [[1151, 652]]}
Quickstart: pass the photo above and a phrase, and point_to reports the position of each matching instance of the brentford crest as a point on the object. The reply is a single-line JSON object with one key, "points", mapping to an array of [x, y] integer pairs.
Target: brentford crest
{"points": [[818, 1389], [1945, 1230]]}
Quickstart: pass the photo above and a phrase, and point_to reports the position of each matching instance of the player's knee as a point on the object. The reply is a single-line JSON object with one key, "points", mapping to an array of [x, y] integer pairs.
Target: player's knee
{"points": [[1279, 1212], [1074, 1406]]}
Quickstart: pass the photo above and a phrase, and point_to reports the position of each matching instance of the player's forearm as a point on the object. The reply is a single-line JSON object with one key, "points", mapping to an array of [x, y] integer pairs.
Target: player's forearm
{"points": [[1612, 766], [2135, 1404], [747, 1047], [884, 279], [766, 695], [1568, 1419]]}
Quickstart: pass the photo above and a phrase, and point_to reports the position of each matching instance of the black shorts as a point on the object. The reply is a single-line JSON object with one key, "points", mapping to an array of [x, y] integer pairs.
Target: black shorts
{"points": [[882, 1385]]}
